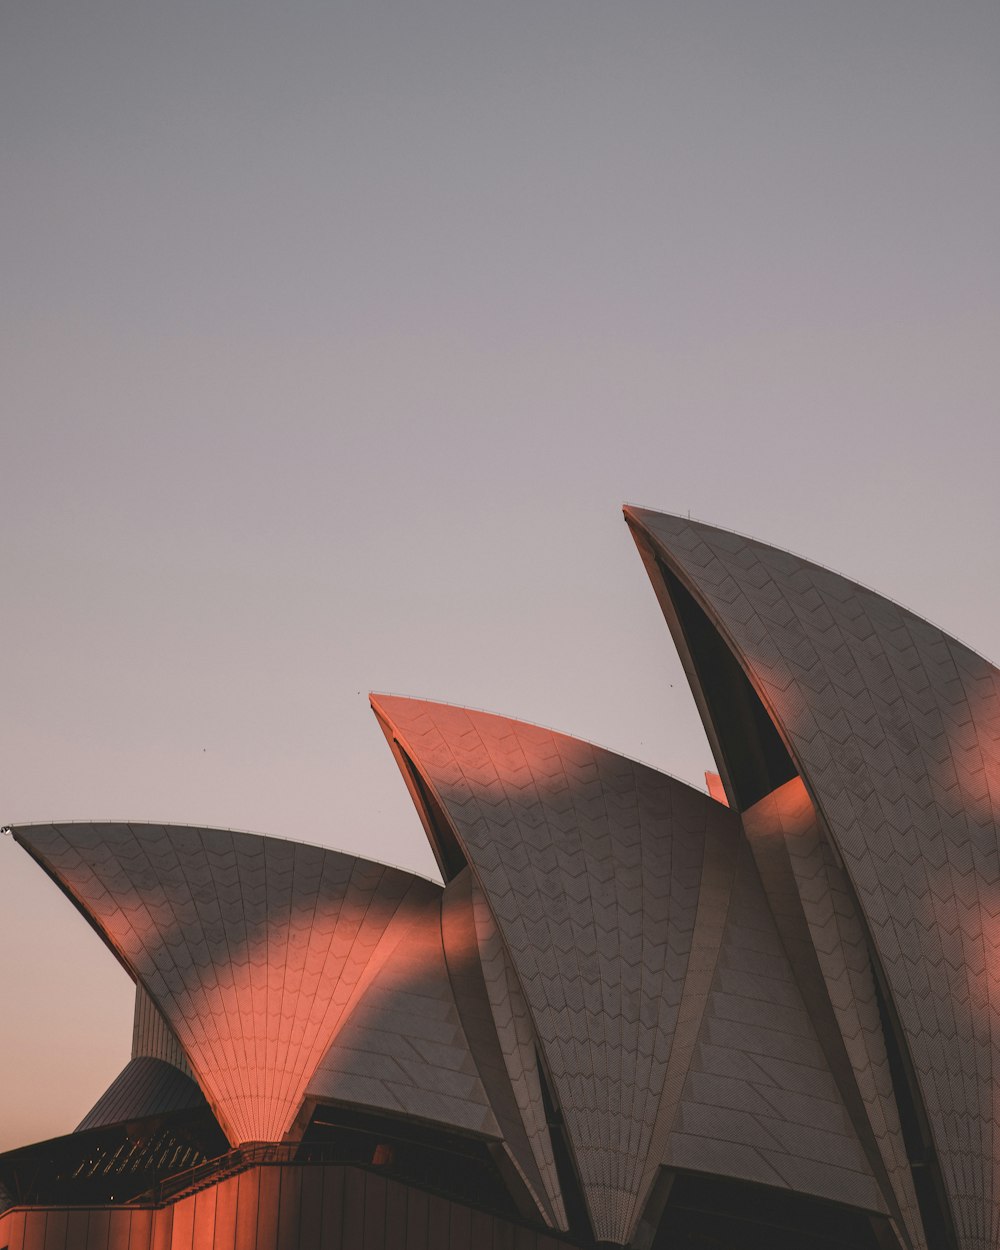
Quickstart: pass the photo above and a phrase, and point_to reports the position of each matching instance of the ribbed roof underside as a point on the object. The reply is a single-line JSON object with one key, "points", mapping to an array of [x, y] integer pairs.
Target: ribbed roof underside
{"points": [[144, 1087], [152, 1037], [594, 867], [506, 1057], [403, 1049], [895, 728], [511, 1019], [818, 920], [759, 1101], [254, 950]]}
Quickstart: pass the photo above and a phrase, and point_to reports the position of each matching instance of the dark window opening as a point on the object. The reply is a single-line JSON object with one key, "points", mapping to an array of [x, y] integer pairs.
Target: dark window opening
{"points": [[756, 759], [713, 1212], [927, 1180], [455, 1167], [444, 844]]}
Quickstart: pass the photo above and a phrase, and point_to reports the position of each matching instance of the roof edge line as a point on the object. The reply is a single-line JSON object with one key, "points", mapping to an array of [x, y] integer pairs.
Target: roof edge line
{"points": [[630, 510], [375, 695], [13, 826]]}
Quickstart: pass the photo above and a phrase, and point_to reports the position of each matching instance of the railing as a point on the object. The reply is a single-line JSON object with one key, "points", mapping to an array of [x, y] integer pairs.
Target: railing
{"points": [[234, 1161]]}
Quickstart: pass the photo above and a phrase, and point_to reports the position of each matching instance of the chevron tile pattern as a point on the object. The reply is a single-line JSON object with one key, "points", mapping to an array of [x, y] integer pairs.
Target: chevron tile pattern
{"points": [[759, 1101], [505, 1054], [519, 1046], [818, 921], [592, 866], [254, 950], [402, 1049], [895, 728]]}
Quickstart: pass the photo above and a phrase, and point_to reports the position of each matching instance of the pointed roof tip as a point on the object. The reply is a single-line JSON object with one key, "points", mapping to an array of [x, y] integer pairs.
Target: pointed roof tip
{"points": [[646, 517], [389, 696], [382, 702], [659, 525], [392, 709], [663, 528], [636, 512], [667, 528]]}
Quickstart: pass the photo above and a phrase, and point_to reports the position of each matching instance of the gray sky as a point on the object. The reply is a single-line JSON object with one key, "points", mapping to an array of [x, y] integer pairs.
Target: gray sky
{"points": [[334, 335]]}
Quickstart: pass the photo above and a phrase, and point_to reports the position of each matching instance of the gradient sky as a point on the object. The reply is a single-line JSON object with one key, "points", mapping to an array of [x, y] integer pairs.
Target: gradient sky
{"points": [[334, 335]]}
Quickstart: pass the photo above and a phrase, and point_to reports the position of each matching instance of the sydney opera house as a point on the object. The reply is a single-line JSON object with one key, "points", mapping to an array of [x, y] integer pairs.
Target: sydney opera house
{"points": [[634, 1014]]}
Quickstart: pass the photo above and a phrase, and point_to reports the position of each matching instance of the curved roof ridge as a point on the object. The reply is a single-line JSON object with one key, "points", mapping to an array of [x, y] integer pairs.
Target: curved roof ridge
{"points": [[816, 564], [522, 720], [10, 826]]}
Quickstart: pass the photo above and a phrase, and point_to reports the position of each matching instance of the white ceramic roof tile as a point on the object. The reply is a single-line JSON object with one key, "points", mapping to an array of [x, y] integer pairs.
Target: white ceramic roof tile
{"points": [[895, 728], [512, 1022], [506, 1062], [403, 1048], [818, 921], [759, 1101], [592, 866], [254, 950]]}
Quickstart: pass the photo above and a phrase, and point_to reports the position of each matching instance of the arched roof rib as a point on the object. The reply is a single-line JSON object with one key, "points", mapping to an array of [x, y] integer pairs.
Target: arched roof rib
{"points": [[894, 728], [254, 950], [611, 886]]}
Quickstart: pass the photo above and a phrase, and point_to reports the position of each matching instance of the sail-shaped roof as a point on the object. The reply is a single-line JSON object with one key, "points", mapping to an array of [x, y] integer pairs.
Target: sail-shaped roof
{"points": [[894, 728], [611, 885], [253, 949], [591, 865]]}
